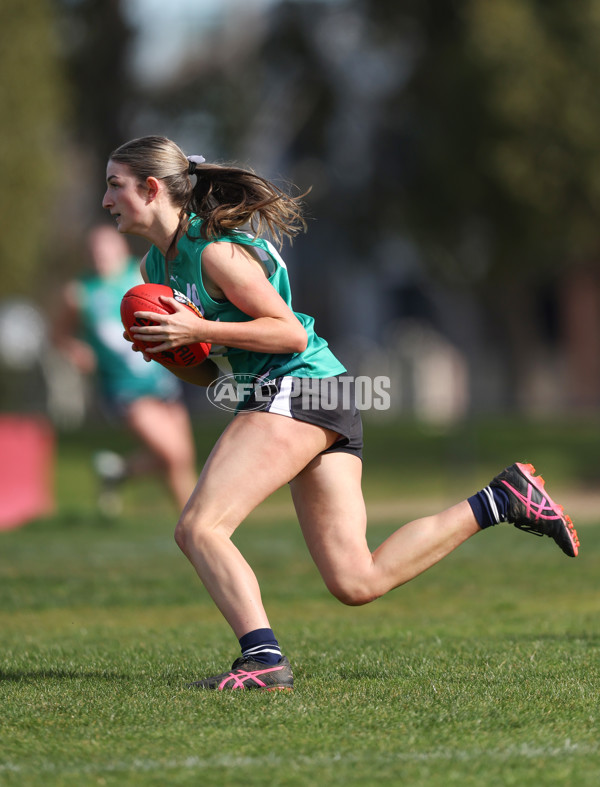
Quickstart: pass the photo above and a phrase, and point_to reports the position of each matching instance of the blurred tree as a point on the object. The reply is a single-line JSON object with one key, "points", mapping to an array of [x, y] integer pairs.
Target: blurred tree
{"points": [[498, 125], [32, 107], [542, 66], [505, 179], [95, 44], [96, 41]]}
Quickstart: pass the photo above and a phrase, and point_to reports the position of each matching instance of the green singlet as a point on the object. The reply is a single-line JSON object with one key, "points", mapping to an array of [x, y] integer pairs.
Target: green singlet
{"points": [[122, 374], [185, 275]]}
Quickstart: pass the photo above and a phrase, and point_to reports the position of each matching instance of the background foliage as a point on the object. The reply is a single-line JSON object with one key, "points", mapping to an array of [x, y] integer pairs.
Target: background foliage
{"points": [[33, 114], [451, 148]]}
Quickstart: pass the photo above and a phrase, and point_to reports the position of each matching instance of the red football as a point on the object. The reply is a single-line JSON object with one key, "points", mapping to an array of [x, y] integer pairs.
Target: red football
{"points": [[144, 298]]}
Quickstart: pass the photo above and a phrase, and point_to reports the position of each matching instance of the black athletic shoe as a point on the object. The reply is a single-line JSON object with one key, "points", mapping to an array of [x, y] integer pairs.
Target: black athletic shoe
{"points": [[246, 673], [533, 510]]}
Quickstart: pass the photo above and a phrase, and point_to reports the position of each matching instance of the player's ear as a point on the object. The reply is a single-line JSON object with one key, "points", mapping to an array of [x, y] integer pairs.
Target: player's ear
{"points": [[153, 186]]}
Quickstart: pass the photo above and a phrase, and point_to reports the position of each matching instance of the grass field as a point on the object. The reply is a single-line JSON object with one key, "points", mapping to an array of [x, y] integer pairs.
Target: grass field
{"points": [[484, 671]]}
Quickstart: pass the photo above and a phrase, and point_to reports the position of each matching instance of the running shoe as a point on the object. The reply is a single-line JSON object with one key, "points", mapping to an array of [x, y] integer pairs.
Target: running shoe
{"points": [[532, 509], [246, 673]]}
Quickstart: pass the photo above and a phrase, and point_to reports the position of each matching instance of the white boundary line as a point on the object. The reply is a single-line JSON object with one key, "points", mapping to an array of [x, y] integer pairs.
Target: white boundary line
{"points": [[524, 751]]}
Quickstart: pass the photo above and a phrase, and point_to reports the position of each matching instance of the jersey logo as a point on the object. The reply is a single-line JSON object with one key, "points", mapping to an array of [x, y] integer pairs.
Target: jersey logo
{"points": [[181, 298], [191, 298]]}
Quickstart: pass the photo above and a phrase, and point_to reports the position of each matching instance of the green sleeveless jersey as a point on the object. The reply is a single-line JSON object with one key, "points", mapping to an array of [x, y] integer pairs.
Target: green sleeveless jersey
{"points": [[185, 275], [122, 374]]}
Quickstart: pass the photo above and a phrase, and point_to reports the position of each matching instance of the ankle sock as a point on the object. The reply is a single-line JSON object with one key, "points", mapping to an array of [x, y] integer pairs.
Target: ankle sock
{"points": [[261, 646], [490, 506]]}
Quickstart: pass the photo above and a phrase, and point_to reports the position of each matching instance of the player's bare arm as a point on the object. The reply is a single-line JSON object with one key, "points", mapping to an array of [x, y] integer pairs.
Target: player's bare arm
{"points": [[274, 328], [231, 273]]}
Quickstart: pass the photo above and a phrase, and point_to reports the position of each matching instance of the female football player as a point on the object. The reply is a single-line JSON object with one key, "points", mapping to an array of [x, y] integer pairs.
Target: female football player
{"points": [[193, 213]]}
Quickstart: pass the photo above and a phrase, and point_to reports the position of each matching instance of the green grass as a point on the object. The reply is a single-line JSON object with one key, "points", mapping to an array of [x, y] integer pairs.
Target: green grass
{"points": [[483, 671]]}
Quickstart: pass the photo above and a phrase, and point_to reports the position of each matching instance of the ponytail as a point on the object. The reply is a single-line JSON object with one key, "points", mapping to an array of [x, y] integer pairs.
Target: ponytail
{"points": [[226, 198]]}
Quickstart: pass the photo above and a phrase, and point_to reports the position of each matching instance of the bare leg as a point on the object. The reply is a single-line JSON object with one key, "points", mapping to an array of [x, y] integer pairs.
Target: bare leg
{"points": [[165, 429], [256, 454], [329, 503]]}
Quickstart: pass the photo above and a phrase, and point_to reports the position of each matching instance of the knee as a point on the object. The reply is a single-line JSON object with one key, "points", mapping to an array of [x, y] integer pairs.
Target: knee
{"points": [[181, 535], [352, 591], [195, 535], [179, 463], [187, 534]]}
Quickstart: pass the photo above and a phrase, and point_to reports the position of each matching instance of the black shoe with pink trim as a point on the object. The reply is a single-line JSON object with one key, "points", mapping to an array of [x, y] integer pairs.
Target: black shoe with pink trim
{"points": [[532, 509], [246, 673]]}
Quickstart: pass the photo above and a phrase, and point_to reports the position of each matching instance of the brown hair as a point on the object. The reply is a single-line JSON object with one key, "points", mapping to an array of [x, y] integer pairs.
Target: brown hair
{"points": [[225, 197]]}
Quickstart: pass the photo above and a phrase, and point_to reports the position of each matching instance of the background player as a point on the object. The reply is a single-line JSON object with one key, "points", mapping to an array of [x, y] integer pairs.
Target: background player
{"points": [[88, 331]]}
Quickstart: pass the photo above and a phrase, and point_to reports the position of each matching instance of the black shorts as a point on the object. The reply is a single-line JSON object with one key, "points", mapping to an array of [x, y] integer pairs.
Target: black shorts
{"points": [[328, 402]]}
